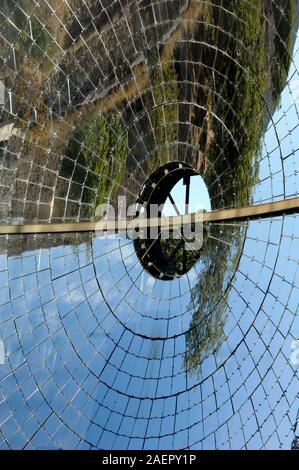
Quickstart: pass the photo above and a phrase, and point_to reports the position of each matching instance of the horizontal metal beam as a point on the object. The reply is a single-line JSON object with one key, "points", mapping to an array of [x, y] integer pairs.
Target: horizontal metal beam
{"points": [[104, 226], [111, 226], [287, 206]]}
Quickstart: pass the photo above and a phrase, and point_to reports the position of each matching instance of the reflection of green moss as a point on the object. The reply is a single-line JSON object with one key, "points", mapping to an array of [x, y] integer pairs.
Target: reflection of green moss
{"points": [[242, 81], [100, 146], [184, 258], [243, 113], [219, 260]]}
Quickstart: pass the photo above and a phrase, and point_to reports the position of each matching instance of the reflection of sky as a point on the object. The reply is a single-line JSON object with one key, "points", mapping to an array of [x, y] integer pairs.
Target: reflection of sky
{"points": [[279, 165], [84, 371], [199, 197]]}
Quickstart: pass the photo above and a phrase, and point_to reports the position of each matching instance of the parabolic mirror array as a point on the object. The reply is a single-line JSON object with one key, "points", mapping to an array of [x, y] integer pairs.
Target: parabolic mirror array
{"points": [[95, 96]]}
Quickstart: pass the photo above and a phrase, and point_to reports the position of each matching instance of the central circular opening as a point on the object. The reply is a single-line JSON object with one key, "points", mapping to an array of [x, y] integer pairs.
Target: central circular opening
{"points": [[174, 189]]}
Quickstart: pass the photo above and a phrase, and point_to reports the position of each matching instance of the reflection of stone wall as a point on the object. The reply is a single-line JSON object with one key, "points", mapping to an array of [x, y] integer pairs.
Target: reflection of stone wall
{"points": [[122, 47]]}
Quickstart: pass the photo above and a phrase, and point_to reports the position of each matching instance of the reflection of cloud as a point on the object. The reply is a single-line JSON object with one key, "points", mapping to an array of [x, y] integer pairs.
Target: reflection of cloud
{"points": [[193, 276], [294, 86], [2, 353], [142, 281], [127, 250], [115, 250], [149, 284], [295, 353], [77, 295]]}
